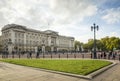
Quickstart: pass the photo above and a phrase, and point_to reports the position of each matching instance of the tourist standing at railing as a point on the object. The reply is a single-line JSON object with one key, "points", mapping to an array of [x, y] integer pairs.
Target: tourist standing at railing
{"points": [[19, 54], [109, 55], [3, 54], [91, 54], [114, 55], [13, 54], [7, 53], [37, 55], [101, 55], [30, 54], [104, 54], [27, 54]]}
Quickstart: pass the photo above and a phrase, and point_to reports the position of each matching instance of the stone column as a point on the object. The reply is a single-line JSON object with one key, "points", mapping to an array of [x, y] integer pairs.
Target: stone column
{"points": [[36, 49], [49, 41], [78, 48], [57, 41], [57, 48], [52, 48], [10, 49], [25, 47], [43, 48], [12, 36]]}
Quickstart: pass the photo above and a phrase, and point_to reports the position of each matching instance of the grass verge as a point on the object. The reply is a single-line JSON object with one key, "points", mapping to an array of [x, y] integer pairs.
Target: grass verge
{"points": [[80, 67]]}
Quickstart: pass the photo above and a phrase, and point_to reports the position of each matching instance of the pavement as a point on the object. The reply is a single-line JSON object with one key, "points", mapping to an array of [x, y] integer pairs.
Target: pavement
{"points": [[112, 74], [11, 72]]}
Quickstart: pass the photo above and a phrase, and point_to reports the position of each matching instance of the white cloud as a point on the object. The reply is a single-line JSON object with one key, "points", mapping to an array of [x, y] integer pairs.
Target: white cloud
{"points": [[71, 10], [62, 15], [46, 11], [112, 15], [114, 34]]}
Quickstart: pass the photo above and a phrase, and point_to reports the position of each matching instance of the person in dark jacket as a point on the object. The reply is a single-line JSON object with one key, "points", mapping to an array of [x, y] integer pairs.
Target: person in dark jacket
{"points": [[30, 54], [104, 55], [37, 55]]}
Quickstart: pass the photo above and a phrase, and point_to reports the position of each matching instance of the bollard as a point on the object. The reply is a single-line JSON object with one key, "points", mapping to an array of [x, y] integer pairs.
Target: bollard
{"points": [[12, 55], [67, 56], [59, 56], [19, 56], [74, 55], [43, 55], [51, 55], [82, 55]]}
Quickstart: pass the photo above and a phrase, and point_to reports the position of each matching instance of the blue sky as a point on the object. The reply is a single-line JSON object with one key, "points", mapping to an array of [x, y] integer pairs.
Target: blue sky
{"points": [[68, 17]]}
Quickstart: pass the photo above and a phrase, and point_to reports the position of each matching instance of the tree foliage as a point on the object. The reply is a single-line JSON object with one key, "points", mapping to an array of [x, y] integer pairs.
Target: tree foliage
{"points": [[111, 43], [104, 44]]}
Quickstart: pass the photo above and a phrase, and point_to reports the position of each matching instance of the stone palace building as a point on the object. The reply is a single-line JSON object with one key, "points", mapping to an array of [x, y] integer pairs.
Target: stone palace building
{"points": [[21, 38]]}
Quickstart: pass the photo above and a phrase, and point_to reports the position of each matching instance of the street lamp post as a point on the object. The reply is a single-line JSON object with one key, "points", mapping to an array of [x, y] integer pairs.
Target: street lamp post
{"points": [[94, 28]]}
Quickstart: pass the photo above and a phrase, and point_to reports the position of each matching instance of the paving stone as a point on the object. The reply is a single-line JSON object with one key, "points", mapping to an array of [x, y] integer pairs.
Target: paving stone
{"points": [[11, 72], [112, 74]]}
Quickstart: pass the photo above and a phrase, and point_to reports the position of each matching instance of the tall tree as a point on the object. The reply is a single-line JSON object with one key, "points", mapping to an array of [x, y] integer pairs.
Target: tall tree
{"points": [[110, 43]]}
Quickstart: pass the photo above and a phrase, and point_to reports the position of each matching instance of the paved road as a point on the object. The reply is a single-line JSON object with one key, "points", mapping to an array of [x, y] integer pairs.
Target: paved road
{"points": [[113, 74], [11, 72]]}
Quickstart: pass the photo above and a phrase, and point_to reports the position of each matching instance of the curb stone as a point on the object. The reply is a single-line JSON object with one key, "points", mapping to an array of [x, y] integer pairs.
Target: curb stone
{"points": [[92, 75]]}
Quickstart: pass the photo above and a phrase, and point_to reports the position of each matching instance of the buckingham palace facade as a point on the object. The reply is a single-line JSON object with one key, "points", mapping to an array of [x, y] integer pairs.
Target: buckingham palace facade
{"points": [[21, 38]]}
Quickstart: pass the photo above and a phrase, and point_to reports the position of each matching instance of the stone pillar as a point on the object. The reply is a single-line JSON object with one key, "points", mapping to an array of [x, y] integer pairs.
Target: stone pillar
{"points": [[78, 48], [57, 49], [36, 49], [52, 48], [43, 48], [25, 45], [10, 48], [12, 36], [57, 41], [49, 41]]}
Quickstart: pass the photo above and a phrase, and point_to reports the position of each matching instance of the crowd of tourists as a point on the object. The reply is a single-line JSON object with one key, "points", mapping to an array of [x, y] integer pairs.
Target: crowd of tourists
{"points": [[29, 54], [109, 55]]}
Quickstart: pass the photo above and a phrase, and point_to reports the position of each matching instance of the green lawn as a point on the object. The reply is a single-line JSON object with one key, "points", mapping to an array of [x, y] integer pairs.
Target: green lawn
{"points": [[81, 67]]}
